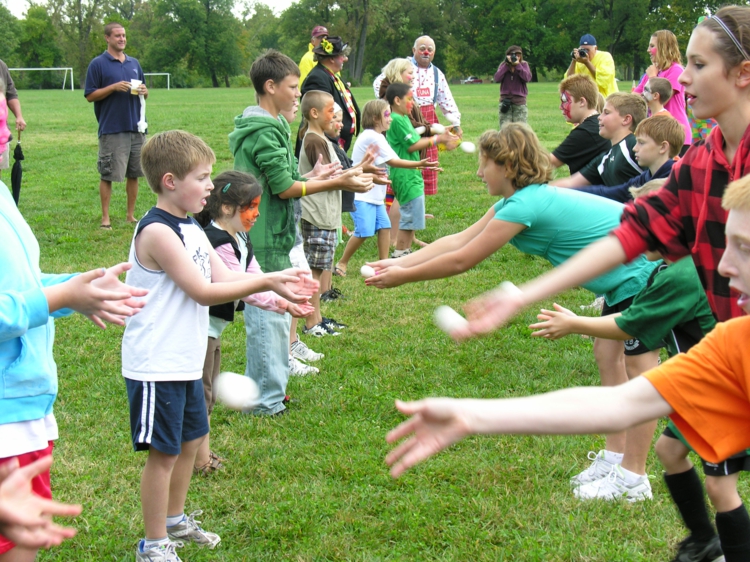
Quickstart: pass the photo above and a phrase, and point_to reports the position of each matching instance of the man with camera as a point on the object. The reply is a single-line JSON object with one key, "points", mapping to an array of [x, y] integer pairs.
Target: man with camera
{"points": [[600, 65], [512, 75]]}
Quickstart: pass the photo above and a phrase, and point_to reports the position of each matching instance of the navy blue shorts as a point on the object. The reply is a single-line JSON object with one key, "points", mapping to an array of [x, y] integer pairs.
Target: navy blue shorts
{"points": [[165, 414]]}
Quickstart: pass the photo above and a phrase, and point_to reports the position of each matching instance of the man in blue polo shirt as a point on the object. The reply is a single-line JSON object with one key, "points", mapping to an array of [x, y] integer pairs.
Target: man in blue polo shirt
{"points": [[118, 109]]}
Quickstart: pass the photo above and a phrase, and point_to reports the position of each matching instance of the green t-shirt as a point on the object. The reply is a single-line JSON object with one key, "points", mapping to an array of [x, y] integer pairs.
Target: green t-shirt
{"points": [[562, 222], [407, 182], [615, 167], [671, 310]]}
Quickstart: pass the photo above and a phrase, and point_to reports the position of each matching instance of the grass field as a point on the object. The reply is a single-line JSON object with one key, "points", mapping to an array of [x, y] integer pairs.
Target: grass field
{"points": [[312, 485]]}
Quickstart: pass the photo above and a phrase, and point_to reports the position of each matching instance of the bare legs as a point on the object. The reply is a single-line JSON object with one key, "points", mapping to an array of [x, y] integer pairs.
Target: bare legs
{"points": [[105, 194]]}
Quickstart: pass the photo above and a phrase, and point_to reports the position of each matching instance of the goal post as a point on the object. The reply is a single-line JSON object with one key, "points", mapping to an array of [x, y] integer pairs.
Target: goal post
{"points": [[167, 74], [64, 68]]}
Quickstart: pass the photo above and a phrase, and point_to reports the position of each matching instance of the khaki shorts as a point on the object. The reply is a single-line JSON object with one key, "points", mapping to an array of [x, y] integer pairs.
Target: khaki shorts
{"points": [[120, 156]]}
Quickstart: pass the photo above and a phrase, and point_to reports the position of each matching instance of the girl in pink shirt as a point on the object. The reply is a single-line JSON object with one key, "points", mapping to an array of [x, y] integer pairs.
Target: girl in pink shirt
{"points": [[667, 63]]}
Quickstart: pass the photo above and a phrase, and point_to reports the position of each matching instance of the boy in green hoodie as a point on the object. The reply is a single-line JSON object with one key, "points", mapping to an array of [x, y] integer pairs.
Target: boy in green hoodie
{"points": [[261, 146]]}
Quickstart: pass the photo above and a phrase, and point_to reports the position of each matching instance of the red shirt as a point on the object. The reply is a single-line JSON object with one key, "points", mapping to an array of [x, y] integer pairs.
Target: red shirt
{"points": [[685, 216]]}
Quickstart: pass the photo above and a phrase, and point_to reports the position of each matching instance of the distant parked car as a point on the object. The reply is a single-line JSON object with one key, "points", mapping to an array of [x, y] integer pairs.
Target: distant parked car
{"points": [[472, 80]]}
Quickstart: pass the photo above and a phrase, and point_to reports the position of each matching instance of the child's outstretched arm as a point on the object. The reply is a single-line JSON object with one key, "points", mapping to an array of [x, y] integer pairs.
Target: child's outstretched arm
{"points": [[424, 164], [24, 516], [97, 294], [561, 322], [494, 308], [437, 423]]}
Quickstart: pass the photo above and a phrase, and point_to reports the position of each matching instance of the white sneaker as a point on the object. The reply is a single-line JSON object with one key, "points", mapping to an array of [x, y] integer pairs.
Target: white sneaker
{"points": [[599, 468], [304, 353], [614, 487], [318, 331], [298, 369], [395, 254], [190, 530], [161, 553]]}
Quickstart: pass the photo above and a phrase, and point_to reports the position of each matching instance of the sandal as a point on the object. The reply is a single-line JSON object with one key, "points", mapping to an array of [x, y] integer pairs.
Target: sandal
{"points": [[339, 271], [214, 463], [105, 226]]}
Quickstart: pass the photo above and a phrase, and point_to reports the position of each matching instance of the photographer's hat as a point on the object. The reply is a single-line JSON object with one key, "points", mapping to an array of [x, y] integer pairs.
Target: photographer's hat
{"points": [[319, 31], [588, 39]]}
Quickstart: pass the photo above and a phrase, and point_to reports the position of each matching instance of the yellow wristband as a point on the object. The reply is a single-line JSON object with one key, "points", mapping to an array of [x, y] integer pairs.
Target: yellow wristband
{"points": [[304, 188]]}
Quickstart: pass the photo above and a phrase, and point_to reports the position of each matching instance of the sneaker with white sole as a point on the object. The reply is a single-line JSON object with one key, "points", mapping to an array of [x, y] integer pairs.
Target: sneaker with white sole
{"points": [[335, 324], [300, 351], [599, 468], [614, 487], [690, 550], [298, 369], [161, 553], [190, 530], [395, 254], [317, 331]]}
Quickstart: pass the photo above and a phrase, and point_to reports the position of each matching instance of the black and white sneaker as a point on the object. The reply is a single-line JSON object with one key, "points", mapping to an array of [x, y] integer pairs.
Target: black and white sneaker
{"points": [[334, 324], [692, 551]]}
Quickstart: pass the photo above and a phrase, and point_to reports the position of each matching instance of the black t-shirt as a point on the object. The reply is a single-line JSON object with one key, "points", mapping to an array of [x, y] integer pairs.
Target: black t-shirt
{"points": [[582, 145]]}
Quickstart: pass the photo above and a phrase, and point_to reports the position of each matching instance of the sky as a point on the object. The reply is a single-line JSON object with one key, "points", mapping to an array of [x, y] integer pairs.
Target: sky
{"points": [[18, 7]]}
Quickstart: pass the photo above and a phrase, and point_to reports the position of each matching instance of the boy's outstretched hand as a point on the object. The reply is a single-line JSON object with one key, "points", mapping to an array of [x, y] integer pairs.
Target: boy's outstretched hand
{"points": [[555, 323], [427, 164], [324, 171], [24, 516], [435, 423], [387, 277], [99, 295], [300, 310], [354, 180]]}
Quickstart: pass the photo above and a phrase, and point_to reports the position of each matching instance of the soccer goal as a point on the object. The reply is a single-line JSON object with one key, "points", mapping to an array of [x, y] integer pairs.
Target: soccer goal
{"points": [[65, 69], [167, 74]]}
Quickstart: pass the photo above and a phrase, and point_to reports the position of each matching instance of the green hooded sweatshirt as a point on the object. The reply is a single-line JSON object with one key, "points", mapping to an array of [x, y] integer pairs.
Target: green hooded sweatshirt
{"points": [[261, 146]]}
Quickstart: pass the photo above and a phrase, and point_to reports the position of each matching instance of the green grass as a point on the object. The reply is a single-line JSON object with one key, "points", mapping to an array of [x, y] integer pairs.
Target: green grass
{"points": [[312, 485]]}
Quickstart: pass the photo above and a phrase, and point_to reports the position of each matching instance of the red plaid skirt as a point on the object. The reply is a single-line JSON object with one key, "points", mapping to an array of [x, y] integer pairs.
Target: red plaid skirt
{"points": [[430, 176]]}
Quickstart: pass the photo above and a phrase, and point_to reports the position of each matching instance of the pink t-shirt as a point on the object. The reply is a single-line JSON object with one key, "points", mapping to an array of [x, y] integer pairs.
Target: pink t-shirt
{"points": [[676, 104], [4, 131]]}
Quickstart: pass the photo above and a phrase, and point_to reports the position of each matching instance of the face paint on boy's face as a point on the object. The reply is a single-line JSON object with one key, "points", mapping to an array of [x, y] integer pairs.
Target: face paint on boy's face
{"points": [[249, 214], [409, 101], [647, 95], [566, 101]]}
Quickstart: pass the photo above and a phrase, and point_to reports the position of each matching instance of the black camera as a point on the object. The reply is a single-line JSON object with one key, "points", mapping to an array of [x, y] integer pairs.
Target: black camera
{"points": [[513, 58], [583, 53], [505, 105]]}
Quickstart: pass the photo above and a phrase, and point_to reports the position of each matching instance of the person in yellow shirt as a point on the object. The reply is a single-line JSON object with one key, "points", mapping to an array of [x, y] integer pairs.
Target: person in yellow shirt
{"points": [[307, 61], [600, 65]]}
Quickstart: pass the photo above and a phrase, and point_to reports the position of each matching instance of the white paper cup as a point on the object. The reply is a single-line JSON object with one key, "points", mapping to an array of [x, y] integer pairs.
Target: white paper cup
{"points": [[134, 86]]}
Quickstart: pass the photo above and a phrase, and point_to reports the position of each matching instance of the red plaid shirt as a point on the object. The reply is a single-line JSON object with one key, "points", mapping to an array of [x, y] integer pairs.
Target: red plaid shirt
{"points": [[685, 216]]}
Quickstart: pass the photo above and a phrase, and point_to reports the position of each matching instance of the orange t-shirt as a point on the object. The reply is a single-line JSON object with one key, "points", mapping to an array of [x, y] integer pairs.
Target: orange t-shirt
{"points": [[709, 390]]}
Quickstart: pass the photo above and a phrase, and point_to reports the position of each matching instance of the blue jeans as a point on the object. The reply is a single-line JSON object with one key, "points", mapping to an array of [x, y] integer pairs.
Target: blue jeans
{"points": [[267, 341]]}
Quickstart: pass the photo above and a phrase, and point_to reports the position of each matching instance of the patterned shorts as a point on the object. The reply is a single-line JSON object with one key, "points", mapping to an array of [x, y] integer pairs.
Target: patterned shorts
{"points": [[320, 245]]}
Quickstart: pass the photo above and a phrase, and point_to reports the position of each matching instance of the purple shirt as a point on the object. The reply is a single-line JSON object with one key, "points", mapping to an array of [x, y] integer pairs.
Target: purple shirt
{"points": [[513, 84], [676, 104]]}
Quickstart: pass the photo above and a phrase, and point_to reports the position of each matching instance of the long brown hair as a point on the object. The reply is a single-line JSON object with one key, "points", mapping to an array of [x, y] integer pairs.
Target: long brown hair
{"points": [[517, 148], [667, 49]]}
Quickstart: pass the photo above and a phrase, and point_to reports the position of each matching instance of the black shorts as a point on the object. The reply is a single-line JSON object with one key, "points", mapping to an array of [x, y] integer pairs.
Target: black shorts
{"points": [[165, 414], [634, 346], [734, 464]]}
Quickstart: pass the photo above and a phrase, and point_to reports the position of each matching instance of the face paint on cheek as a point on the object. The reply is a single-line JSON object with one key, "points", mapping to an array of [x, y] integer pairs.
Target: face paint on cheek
{"points": [[248, 217]]}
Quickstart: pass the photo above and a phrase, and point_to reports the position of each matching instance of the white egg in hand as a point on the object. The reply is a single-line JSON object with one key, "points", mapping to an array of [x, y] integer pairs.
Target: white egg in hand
{"points": [[420, 131], [367, 271], [448, 319], [467, 146], [237, 392], [437, 128]]}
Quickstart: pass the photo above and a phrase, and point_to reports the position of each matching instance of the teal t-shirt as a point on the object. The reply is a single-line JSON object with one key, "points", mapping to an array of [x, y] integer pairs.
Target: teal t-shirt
{"points": [[407, 183], [562, 222]]}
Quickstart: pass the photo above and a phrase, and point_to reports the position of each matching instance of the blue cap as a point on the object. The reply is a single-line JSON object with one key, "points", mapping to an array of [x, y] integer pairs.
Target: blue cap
{"points": [[588, 39]]}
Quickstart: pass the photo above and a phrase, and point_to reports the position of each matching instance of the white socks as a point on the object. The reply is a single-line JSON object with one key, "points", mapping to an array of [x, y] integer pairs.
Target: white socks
{"points": [[613, 458]]}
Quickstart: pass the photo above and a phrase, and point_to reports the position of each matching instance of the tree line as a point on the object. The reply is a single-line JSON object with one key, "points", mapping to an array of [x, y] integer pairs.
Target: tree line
{"points": [[213, 42]]}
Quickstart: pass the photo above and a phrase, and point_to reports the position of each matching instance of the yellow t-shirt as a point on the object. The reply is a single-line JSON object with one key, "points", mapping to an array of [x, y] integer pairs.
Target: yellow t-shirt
{"points": [[306, 64], [605, 72]]}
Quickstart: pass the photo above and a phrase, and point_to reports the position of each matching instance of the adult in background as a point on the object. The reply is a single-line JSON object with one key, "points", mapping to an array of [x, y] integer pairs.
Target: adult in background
{"points": [[666, 62], [512, 75], [599, 65], [307, 62], [331, 55], [118, 111], [11, 96], [430, 88]]}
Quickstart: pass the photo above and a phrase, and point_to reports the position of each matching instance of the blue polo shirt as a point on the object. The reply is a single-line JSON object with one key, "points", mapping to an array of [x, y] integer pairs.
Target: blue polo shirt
{"points": [[120, 111]]}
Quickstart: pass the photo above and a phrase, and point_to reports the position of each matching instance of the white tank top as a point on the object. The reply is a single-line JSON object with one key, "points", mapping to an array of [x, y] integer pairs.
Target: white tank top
{"points": [[167, 339]]}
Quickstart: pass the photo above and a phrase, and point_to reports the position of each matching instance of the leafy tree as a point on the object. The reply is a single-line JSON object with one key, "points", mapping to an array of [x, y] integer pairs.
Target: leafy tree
{"points": [[39, 46], [10, 35], [81, 31]]}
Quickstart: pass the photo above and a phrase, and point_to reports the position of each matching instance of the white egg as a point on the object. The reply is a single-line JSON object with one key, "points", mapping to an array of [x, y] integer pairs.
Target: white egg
{"points": [[237, 392], [437, 128], [510, 288], [420, 130], [367, 271], [448, 319], [467, 146]]}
